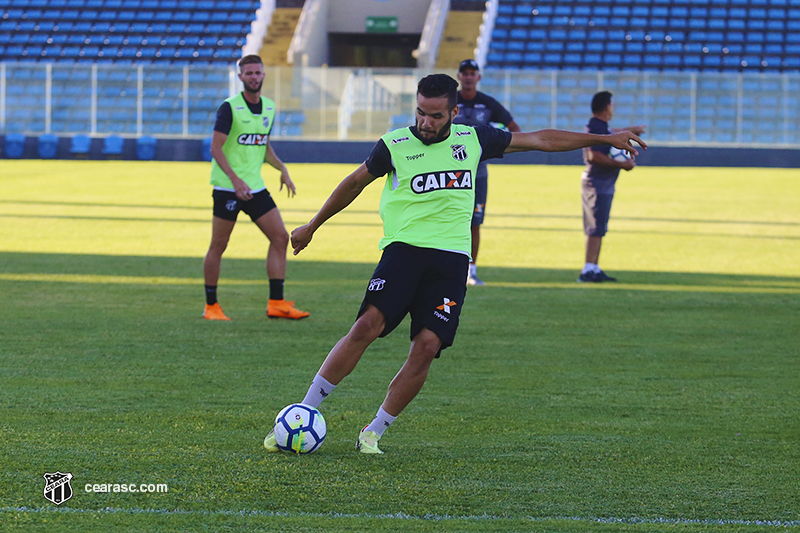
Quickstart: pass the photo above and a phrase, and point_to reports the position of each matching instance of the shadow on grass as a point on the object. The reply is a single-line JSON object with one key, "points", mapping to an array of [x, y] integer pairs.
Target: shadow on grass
{"points": [[16, 266]]}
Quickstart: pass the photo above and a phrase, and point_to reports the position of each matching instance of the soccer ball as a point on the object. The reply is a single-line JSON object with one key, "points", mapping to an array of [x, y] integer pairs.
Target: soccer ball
{"points": [[619, 155], [299, 428]]}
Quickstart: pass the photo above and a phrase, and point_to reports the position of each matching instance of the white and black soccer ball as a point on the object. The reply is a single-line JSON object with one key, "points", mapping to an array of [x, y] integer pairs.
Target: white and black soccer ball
{"points": [[299, 428], [619, 155]]}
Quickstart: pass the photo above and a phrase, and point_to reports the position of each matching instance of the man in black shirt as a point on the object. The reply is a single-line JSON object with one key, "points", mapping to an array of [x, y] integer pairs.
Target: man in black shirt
{"points": [[598, 185], [478, 109]]}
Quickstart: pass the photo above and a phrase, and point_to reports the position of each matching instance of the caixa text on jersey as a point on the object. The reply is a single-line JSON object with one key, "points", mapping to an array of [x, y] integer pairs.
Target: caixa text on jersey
{"points": [[449, 179]]}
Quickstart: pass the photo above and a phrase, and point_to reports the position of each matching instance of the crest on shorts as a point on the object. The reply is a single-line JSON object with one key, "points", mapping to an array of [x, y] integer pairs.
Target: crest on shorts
{"points": [[459, 152], [57, 488], [231, 205]]}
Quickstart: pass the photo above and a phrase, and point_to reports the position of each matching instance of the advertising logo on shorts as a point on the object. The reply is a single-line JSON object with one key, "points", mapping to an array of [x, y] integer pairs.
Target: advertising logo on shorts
{"points": [[57, 487], [445, 308], [459, 152]]}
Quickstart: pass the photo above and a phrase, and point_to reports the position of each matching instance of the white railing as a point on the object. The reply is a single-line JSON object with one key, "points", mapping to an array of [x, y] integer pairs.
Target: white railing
{"points": [[258, 28], [347, 106], [432, 34], [486, 29], [680, 108], [311, 22]]}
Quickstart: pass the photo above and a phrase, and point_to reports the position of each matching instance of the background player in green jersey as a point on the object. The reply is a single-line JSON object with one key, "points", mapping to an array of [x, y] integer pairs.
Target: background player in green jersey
{"points": [[239, 147], [426, 207]]}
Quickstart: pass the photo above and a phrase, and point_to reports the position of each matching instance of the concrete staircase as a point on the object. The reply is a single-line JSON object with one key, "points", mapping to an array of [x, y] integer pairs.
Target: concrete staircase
{"points": [[460, 38], [279, 36]]}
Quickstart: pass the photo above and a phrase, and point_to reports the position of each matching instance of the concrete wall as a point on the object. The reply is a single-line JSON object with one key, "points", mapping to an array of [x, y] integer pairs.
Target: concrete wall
{"points": [[356, 152]]}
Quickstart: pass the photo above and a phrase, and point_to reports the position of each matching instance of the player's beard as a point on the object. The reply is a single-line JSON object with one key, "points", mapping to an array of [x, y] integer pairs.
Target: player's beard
{"points": [[256, 90], [443, 133]]}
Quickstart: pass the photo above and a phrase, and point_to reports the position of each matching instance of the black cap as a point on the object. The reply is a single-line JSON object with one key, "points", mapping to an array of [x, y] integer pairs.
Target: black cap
{"points": [[468, 63]]}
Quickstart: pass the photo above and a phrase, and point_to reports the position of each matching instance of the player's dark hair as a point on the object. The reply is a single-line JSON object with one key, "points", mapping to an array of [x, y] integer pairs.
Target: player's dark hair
{"points": [[439, 86], [600, 101], [249, 60]]}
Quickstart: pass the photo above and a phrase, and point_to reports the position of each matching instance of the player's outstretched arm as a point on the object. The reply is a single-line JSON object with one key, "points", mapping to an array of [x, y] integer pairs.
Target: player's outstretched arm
{"points": [[564, 141], [342, 196]]}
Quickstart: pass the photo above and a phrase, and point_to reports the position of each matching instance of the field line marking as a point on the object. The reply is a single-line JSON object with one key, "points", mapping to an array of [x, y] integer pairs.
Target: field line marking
{"points": [[164, 280], [404, 516]]}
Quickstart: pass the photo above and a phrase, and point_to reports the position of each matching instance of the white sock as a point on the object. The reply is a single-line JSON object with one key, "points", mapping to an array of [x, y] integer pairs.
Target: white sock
{"points": [[381, 422], [473, 270], [590, 267], [318, 391]]}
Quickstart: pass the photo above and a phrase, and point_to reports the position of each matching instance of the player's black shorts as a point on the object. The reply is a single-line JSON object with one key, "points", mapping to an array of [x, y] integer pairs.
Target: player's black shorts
{"points": [[227, 205], [481, 192], [428, 283], [596, 210]]}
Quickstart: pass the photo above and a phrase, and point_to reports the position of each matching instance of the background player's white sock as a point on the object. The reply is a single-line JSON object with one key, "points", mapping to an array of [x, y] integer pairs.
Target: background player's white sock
{"points": [[473, 270], [381, 421], [590, 267], [319, 389]]}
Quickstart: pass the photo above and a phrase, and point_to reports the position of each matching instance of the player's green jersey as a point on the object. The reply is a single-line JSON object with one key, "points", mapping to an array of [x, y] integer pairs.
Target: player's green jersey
{"points": [[246, 145], [429, 198]]}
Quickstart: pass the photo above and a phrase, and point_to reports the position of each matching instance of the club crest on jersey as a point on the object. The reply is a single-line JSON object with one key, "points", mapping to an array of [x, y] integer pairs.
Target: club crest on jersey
{"points": [[459, 152], [253, 139], [266, 122], [449, 179]]}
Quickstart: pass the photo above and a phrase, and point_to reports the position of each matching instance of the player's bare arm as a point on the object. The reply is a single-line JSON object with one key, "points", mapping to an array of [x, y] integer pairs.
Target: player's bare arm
{"points": [[564, 141], [241, 188], [275, 162], [342, 196]]}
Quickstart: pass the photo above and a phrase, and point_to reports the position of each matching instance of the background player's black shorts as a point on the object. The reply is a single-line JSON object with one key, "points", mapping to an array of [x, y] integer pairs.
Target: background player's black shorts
{"points": [[481, 192], [227, 205], [596, 210], [428, 283]]}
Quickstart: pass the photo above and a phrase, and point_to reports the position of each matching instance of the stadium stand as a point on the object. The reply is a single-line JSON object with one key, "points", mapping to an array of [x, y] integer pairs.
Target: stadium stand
{"points": [[183, 32], [655, 35]]}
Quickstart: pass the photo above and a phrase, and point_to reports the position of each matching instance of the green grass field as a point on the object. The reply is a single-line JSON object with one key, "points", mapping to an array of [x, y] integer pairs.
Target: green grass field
{"points": [[666, 402]]}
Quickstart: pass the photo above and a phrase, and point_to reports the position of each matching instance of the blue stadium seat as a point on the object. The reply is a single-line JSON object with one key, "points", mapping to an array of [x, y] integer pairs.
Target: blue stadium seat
{"points": [[14, 145], [47, 146], [81, 143], [112, 145]]}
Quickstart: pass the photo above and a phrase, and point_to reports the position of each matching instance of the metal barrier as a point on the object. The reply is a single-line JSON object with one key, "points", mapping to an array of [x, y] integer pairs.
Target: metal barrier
{"points": [[680, 108]]}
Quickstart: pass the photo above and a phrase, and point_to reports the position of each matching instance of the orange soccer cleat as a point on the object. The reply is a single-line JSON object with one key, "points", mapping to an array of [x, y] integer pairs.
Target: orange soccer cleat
{"points": [[214, 312], [284, 309]]}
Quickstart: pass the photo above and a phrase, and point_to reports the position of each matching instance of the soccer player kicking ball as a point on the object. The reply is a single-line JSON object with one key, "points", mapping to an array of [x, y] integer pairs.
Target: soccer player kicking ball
{"points": [[426, 207]]}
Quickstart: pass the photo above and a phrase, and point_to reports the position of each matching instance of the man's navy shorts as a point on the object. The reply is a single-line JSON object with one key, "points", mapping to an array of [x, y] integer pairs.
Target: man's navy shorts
{"points": [[227, 205], [429, 284]]}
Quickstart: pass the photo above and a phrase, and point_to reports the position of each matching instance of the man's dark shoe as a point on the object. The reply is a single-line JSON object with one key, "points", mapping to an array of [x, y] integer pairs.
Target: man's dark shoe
{"points": [[588, 277], [602, 276]]}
